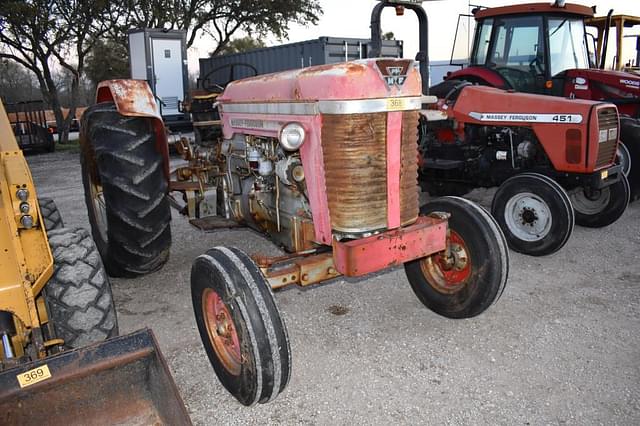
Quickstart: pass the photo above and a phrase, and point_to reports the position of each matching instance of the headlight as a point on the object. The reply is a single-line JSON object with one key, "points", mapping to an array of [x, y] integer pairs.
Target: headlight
{"points": [[292, 136]]}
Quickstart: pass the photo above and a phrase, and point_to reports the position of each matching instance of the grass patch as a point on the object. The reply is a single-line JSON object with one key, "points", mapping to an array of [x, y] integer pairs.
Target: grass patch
{"points": [[73, 145]]}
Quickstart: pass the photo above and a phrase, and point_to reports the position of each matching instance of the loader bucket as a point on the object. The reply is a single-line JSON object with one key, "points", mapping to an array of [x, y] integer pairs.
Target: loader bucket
{"points": [[124, 380]]}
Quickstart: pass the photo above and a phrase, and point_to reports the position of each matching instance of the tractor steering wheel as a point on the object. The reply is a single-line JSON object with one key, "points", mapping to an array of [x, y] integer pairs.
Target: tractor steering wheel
{"points": [[515, 77], [536, 66], [211, 87]]}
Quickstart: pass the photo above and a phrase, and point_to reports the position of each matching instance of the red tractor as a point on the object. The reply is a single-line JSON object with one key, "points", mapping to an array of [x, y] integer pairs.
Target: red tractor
{"points": [[552, 158], [544, 48], [323, 161]]}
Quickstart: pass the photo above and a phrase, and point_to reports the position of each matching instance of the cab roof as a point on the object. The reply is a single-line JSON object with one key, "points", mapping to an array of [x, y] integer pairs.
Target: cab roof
{"points": [[535, 8]]}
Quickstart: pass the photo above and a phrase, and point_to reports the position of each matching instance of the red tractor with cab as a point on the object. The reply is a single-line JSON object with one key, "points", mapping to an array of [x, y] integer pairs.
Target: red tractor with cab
{"points": [[545, 49], [551, 158]]}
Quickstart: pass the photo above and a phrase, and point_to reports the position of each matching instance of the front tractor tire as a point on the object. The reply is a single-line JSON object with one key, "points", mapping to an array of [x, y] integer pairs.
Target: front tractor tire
{"points": [[50, 214], [474, 274], [78, 295], [240, 326], [601, 207], [125, 191], [535, 214]]}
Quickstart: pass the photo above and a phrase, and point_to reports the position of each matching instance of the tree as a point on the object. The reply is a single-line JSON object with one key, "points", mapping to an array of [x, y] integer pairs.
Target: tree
{"points": [[219, 18], [107, 60], [241, 44], [16, 83], [53, 36]]}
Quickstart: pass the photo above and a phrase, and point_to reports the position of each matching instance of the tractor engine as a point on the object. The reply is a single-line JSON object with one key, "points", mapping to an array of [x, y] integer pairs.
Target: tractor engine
{"points": [[485, 155]]}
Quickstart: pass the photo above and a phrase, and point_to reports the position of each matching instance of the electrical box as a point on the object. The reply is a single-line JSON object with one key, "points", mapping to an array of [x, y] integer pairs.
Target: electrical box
{"points": [[160, 57]]}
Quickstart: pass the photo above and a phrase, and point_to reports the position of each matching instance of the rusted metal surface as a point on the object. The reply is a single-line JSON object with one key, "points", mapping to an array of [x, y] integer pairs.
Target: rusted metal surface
{"points": [[409, 203], [354, 148], [371, 181], [371, 254], [132, 97], [306, 270], [124, 380], [349, 80]]}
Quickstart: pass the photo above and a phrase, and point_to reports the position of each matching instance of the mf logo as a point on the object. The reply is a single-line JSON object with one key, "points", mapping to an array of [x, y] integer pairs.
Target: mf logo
{"points": [[394, 72], [394, 76]]}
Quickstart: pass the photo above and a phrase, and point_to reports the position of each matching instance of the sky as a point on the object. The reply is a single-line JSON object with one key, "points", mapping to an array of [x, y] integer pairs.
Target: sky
{"points": [[350, 18]]}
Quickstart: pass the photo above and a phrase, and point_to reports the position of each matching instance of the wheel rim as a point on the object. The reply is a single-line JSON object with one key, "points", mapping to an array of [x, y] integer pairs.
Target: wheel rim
{"points": [[222, 332], [528, 217], [590, 204], [99, 209], [448, 274]]}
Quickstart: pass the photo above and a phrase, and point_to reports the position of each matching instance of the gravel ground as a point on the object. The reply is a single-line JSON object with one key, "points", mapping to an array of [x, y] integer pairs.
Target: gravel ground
{"points": [[561, 347]]}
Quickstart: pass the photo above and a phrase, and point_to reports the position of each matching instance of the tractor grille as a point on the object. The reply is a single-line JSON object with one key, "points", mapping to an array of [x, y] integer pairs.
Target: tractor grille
{"points": [[355, 159], [607, 136], [409, 171]]}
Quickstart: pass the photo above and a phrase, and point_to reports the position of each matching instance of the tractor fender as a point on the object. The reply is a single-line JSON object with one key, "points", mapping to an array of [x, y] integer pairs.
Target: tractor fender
{"points": [[134, 98], [479, 75]]}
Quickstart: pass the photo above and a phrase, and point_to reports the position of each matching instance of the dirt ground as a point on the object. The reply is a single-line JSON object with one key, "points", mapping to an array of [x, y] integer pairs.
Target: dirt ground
{"points": [[562, 346]]}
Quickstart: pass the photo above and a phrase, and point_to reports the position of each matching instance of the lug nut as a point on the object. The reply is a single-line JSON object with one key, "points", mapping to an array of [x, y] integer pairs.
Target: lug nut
{"points": [[22, 194], [27, 221]]}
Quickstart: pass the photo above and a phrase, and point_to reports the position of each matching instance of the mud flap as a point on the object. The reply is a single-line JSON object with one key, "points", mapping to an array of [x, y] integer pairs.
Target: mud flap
{"points": [[123, 380]]}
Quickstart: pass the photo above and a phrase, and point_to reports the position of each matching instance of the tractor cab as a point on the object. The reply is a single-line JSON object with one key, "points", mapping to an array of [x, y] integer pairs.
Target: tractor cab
{"points": [[546, 49], [528, 47]]}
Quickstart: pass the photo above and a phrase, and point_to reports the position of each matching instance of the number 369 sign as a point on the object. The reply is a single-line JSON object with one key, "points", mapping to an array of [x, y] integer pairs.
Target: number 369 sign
{"points": [[34, 376]]}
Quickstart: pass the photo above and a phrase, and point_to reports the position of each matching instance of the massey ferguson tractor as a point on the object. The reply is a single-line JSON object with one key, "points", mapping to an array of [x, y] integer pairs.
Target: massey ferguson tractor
{"points": [[552, 158], [543, 48], [322, 161]]}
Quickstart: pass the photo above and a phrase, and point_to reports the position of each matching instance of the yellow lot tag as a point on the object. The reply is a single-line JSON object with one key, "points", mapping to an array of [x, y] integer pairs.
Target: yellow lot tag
{"points": [[604, 174], [34, 376], [396, 104]]}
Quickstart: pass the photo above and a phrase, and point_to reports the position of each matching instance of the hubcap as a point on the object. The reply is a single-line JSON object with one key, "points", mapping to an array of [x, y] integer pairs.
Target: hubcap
{"points": [[100, 209], [448, 274], [222, 332], [528, 216], [590, 202]]}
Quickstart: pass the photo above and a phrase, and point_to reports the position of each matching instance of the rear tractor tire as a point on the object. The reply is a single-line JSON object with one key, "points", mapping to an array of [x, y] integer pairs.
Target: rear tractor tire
{"points": [[474, 276], [78, 295], [630, 136], [50, 214], [125, 191], [535, 214], [602, 207], [240, 326], [623, 157]]}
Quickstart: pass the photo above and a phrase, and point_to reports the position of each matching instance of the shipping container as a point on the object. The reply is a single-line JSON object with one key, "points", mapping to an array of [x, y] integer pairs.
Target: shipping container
{"points": [[219, 70]]}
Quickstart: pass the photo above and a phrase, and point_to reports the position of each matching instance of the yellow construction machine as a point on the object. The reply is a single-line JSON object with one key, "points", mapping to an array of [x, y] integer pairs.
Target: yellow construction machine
{"points": [[55, 296]]}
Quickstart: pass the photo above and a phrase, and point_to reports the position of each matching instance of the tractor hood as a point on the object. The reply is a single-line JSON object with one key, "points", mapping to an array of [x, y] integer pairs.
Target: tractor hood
{"points": [[491, 105], [363, 79]]}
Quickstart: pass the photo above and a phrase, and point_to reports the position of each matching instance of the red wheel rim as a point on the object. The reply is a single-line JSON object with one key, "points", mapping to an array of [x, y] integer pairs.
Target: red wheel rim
{"points": [[222, 332], [448, 275]]}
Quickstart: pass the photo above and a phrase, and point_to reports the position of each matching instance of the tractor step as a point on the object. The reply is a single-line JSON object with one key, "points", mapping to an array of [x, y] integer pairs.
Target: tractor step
{"points": [[212, 223]]}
